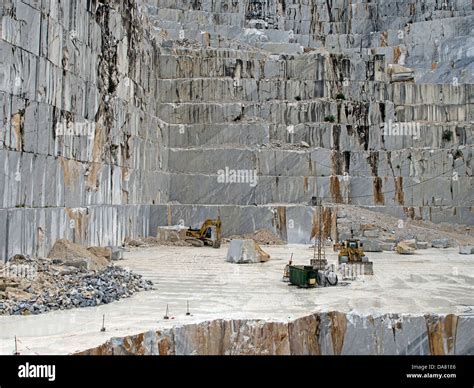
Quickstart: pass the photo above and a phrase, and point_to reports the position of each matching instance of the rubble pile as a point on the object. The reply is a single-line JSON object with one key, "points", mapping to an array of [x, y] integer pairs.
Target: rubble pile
{"points": [[35, 286], [60, 290], [382, 232]]}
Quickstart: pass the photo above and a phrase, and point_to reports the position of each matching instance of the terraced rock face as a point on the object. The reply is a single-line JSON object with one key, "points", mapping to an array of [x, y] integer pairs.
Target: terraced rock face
{"points": [[331, 333], [118, 116], [81, 150]]}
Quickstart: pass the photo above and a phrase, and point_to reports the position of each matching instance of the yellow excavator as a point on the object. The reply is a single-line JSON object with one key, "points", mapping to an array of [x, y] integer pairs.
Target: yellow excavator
{"points": [[208, 234]]}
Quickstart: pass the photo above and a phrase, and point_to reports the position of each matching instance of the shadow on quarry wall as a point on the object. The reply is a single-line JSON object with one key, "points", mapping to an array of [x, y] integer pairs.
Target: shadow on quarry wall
{"points": [[331, 333]]}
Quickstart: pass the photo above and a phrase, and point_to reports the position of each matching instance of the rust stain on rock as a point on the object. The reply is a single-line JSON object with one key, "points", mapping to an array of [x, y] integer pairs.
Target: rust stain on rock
{"points": [[102, 350], [170, 216], [442, 334], [134, 344], [399, 194], [410, 212], [315, 225], [397, 53], [379, 198], [384, 39], [280, 222], [125, 180], [335, 189], [71, 171], [165, 346], [338, 330], [139, 344], [18, 121], [336, 163], [92, 181], [327, 222], [333, 233], [303, 334]]}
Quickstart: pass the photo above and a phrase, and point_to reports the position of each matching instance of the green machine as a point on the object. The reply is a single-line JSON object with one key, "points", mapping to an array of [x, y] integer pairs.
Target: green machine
{"points": [[304, 276]]}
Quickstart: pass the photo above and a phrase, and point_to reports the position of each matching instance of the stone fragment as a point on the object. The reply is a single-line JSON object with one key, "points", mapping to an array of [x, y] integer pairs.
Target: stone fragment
{"points": [[440, 243], [466, 249], [400, 73], [304, 144], [422, 245], [405, 248]]}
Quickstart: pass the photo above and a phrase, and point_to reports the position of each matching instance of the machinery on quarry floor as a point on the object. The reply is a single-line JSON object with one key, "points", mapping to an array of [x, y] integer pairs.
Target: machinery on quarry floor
{"points": [[208, 234], [351, 254], [307, 276], [318, 273]]}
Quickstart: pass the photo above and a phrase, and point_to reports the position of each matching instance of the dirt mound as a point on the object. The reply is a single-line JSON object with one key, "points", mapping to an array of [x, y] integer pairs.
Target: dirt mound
{"points": [[153, 241], [104, 252], [75, 255], [262, 237]]}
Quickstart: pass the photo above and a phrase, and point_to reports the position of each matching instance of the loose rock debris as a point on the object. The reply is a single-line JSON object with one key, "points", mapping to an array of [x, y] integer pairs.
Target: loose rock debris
{"points": [[35, 286]]}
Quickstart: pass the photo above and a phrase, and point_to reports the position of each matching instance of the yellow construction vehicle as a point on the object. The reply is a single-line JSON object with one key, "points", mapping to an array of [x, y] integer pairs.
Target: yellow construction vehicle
{"points": [[351, 253], [208, 234]]}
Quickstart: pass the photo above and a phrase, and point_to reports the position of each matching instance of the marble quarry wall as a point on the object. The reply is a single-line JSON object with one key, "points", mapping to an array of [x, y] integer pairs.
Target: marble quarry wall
{"points": [[119, 116], [81, 154], [301, 93], [331, 333]]}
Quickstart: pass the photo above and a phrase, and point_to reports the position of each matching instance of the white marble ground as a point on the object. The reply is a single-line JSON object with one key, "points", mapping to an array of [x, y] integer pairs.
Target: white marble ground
{"points": [[432, 281]]}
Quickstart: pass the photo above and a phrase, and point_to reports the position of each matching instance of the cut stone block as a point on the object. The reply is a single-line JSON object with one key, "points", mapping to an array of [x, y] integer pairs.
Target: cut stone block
{"points": [[387, 246], [246, 251], [371, 245], [400, 73], [171, 233]]}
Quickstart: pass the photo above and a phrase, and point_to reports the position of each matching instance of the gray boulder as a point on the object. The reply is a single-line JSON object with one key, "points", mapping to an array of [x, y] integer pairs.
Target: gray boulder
{"points": [[466, 249], [440, 243]]}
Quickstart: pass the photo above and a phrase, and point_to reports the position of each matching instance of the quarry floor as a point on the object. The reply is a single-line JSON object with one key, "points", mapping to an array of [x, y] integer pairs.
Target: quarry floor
{"points": [[431, 281]]}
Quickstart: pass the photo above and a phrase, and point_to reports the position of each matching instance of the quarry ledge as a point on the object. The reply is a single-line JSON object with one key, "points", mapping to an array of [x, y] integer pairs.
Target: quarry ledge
{"points": [[330, 333]]}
